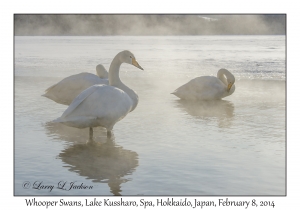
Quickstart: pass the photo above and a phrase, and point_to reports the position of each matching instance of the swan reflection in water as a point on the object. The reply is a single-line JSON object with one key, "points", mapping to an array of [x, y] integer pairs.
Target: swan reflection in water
{"points": [[58, 131], [220, 110], [99, 159]]}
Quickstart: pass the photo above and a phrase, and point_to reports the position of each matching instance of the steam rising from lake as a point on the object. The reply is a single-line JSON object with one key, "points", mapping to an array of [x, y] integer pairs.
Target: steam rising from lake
{"points": [[90, 25], [235, 146]]}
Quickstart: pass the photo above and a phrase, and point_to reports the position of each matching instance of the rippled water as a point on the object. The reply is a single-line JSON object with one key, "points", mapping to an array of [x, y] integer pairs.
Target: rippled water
{"points": [[166, 146]]}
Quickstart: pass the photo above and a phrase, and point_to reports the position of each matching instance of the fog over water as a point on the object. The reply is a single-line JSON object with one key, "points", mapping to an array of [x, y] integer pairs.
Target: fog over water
{"points": [[195, 24], [235, 146], [166, 146]]}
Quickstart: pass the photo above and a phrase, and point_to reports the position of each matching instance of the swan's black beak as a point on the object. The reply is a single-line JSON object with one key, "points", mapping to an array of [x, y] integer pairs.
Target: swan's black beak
{"points": [[229, 86], [136, 64]]}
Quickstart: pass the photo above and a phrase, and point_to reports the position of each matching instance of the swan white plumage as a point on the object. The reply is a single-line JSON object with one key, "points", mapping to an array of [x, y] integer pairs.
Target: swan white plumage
{"points": [[207, 87], [101, 72], [67, 89], [103, 105]]}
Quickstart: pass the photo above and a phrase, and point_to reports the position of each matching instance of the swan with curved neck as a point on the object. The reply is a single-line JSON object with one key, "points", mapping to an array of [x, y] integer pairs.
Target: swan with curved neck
{"points": [[103, 105], [208, 87], [114, 78], [67, 89]]}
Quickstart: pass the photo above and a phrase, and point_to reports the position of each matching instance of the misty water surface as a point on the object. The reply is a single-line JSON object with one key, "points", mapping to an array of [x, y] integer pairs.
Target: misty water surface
{"points": [[166, 146]]}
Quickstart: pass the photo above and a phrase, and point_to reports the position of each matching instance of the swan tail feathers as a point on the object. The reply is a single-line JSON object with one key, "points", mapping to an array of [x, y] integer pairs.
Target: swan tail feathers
{"points": [[58, 120], [175, 92], [47, 95], [49, 88]]}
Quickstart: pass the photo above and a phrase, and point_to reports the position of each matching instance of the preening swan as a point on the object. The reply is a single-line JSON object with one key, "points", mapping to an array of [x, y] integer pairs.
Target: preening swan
{"points": [[207, 87], [103, 105], [67, 89]]}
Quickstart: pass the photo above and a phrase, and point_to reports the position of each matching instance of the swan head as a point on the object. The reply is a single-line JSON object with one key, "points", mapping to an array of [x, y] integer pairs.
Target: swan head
{"points": [[229, 77], [232, 89], [128, 57], [230, 83], [101, 71]]}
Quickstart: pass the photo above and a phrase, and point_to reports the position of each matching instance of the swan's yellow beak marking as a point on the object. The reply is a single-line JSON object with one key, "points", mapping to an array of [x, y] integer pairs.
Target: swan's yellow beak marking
{"points": [[136, 64], [229, 86]]}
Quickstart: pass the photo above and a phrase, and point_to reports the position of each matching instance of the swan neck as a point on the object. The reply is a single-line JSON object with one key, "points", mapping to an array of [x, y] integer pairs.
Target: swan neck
{"points": [[113, 74], [114, 80], [221, 77]]}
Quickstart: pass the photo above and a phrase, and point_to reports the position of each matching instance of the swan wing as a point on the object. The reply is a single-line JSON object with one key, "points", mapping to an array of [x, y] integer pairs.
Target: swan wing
{"points": [[66, 90], [201, 88], [99, 105], [209, 88], [79, 99]]}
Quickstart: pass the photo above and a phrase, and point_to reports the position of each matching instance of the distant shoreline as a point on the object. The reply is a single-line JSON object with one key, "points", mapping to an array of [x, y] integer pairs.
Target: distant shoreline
{"points": [[148, 25]]}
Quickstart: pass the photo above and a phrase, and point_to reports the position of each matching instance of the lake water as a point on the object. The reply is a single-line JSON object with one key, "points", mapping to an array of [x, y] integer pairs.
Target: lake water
{"points": [[236, 146]]}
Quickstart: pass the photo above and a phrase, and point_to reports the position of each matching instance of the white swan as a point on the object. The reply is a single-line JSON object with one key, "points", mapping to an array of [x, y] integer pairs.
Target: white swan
{"points": [[101, 72], [103, 105], [67, 89], [207, 87]]}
